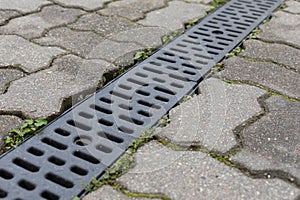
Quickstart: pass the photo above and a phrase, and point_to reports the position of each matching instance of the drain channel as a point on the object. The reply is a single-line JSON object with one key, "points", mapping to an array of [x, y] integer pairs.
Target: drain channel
{"points": [[91, 136]]}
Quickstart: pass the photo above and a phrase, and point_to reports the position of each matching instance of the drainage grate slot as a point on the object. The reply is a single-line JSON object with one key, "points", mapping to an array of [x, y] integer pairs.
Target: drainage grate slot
{"points": [[86, 157], [78, 170], [35, 151], [26, 165], [54, 144], [131, 120], [59, 180], [26, 185], [5, 174], [57, 161], [49, 195], [101, 109], [79, 125], [110, 137], [62, 132], [3, 193], [105, 122], [91, 136], [125, 130]]}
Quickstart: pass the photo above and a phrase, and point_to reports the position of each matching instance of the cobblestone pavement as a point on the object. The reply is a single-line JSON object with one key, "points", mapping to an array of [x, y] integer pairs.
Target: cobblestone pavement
{"points": [[237, 139]]}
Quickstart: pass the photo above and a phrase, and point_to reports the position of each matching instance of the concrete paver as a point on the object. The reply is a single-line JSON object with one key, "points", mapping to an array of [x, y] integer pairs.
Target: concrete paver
{"points": [[105, 26], [64, 37], [26, 55], [293, 7], [283, 29], [88, 5], [174, 20], [24, 6], [31, 26], [8, 75], [68, 76], [278, 53], [132, 9], [194, 175], [7, 123], [266, 74], [209, 119], [274, 140], [148, 37]]}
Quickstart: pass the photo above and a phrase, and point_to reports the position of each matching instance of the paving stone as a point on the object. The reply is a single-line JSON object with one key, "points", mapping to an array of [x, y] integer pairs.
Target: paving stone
{"points": [[88, 5], [209, 118], [106, 26], [79, 42], [293, 7], [194, 175], [8, 75], [273, 142], [108, 193], [149, 37], [33, 25], [266, 74], [8, 123], [20, 52], [283, 29], [45, 91], [24, 6], [7, 14], [115, 52], [175, 15], [132, 9], [91, 45], [279, 53]]}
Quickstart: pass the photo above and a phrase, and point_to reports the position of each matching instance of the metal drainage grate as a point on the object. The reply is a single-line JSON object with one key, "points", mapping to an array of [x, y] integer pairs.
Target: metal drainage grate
{"points": [[91, 136]]}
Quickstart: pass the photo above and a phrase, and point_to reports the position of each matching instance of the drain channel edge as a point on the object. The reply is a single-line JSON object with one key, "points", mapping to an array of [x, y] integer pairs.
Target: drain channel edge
{"points": [[92, 135]]}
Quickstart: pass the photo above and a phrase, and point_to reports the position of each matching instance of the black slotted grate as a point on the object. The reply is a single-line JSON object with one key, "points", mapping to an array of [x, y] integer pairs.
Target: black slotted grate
{"points": [[91, 136]]}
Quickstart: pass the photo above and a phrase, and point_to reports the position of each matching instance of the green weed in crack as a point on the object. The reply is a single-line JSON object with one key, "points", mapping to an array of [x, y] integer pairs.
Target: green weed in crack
{"points": [[29, 128]]}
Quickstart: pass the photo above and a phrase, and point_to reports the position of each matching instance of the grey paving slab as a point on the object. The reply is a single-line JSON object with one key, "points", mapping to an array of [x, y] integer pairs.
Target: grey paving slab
{"points": [[8, 75], [106, 26], [91, 46], [278, 53], [79, 42], [148, 37], [283, 29], [88, 5], [6, 15], [132, 9], [174, 15], [194, 175], [31, 26], [273, 142], [293, 7], [115, 52], [208, 119], [26, 55], [267, 74], [24, 6], [7, 123], [108, 193], [45, 91]]}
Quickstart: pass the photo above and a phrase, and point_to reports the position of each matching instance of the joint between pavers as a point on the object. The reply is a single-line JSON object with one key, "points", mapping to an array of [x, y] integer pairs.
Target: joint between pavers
{"points": [[73, 7], [279, 42], [268, 61], [270, 90]]}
